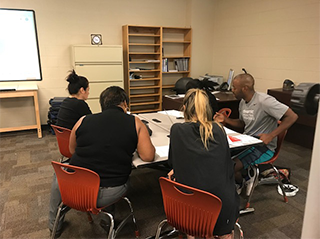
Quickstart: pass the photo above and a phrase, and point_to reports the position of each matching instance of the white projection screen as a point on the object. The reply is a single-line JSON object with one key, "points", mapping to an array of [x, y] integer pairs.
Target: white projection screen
{"points": [[19, 50]]}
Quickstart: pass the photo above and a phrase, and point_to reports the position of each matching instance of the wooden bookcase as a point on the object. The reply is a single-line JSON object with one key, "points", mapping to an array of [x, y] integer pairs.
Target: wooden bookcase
{"points": [[176, 51], [144, 50]]}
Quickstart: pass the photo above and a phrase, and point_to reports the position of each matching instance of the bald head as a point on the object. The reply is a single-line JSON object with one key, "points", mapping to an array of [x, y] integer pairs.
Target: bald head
{"points": [[245, 80]]}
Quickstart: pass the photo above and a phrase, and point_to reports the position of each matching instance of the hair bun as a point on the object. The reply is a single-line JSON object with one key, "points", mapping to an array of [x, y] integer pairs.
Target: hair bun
{"points": [[73, 77]]}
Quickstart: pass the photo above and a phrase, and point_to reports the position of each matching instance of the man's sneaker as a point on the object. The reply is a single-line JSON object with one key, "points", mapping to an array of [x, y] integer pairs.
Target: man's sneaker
{"points": [[250, 181], [289, 189], [239, 187]]}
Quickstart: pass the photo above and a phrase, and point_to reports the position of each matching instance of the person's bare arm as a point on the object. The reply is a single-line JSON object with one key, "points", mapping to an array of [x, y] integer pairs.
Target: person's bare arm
{"points": [[236, 124], [287, 120], [72, 139], [171, 175], [145, 147]]}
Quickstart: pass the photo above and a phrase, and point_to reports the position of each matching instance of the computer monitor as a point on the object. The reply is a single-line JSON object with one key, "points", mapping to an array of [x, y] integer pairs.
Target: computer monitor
{"points": [[230, 77]]}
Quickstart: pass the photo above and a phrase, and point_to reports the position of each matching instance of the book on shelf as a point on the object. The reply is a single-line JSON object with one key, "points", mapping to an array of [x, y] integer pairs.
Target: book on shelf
{"points": [[181, 64], [176, 64], [140, 69], [165, 64], [152, 60], [174, 96]]}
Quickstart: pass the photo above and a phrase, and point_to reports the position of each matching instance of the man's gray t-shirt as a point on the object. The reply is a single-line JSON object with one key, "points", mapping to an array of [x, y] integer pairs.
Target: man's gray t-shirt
{"points": [[261, 115]]}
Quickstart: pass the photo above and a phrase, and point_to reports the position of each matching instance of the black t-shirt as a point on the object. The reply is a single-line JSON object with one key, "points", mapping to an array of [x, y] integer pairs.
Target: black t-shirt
{"points": [[211, 171], [71, 110], [105, 144]]}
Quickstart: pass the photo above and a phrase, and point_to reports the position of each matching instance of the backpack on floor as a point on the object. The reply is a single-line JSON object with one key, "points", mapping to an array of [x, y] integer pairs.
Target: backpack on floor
{"points": [[269, 176]]}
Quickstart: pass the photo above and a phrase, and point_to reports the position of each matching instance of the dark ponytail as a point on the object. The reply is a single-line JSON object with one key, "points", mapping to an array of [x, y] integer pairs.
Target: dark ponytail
{"points": [[207, 86], [76, 83]]}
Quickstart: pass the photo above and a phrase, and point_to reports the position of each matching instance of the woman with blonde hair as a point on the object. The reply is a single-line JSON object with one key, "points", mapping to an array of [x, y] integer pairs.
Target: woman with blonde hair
{"points": [[200, 157]]}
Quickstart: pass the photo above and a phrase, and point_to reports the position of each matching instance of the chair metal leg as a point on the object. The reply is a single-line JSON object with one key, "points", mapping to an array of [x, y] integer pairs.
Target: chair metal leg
{"points": [[124, 221], [280, 183], [111, 233], [56, 221], [89, 218], [159, 228], [240, 230], [62, 210], [255, 182]]}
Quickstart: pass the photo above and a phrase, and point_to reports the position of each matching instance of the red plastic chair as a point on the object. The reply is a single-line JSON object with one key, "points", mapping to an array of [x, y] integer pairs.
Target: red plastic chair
{"points": [[280, 139], [194, 213], [63, 136], [79, 190], [225, 111]]}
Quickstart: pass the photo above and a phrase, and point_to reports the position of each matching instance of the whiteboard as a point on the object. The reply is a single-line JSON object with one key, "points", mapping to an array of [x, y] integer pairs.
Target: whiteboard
{"points": [[19, 50]]}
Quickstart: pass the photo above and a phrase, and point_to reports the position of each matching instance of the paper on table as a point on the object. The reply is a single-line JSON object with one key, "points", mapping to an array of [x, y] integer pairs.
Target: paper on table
{"points": [[248, 139], [162, 151], [243, 140], [229, 131], [233, 139], [174, 113]]}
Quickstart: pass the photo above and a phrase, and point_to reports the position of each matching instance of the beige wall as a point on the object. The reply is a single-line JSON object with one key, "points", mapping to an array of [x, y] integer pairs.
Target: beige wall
{"points": [[273, 40], [201, 20], [62, 23]]}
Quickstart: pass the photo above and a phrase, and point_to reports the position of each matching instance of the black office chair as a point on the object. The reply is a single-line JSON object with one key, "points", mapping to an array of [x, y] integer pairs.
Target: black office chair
{"points": [[180, 86]]}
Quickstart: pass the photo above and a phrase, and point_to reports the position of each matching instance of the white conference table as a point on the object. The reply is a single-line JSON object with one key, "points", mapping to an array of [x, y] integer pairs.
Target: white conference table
{"points": [[160, 124]]}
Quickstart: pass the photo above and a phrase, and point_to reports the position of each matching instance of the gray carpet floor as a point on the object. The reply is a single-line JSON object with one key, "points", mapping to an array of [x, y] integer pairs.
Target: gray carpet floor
{"points": [[25, 181]]}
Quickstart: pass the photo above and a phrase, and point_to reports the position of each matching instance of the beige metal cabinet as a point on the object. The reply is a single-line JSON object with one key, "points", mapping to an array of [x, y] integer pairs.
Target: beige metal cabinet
{"points": [[101, 65]]}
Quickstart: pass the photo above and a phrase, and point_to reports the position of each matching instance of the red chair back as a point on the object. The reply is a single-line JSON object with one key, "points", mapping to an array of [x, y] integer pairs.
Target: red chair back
{"points": [[225, 111], [280, 139], [63, 136], [79, 188], [193, 213]]}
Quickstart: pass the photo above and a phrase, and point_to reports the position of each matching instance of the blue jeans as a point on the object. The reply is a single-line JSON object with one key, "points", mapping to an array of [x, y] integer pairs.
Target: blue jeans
{"points": [[106, 197]]}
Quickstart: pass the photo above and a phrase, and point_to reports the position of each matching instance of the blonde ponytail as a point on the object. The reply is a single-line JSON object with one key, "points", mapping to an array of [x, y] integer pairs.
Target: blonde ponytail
{"points": [[197, 109]]}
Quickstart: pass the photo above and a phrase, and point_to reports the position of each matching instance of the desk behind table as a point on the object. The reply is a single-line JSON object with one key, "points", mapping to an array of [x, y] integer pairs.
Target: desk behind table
{"points": [[28, 90], [225, 100], [303, 130]]}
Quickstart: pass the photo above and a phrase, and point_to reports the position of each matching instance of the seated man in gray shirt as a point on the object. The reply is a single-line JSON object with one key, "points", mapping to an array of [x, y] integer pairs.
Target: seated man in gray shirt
{"points": [[259, 114]]}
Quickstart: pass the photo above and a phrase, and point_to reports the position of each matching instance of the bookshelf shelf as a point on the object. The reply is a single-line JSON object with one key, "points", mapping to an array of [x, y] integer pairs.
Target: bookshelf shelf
{"points": [[142, 95], [172, 57], [167, 86], [178, 42], [144, 71], [144, 53], [144, 62], [143, 44], [143, 35], [145, 79], [143, 87], [146, 103], [176, 72]]}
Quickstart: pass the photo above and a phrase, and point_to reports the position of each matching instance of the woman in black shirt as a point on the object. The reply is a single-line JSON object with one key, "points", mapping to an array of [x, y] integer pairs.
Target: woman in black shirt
{"points": [[74, 107], [105, 143], [200, 157]]}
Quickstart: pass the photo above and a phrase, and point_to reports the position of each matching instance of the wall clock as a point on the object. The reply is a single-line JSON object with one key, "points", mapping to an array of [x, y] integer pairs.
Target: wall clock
{"points": [[96, 39]]}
